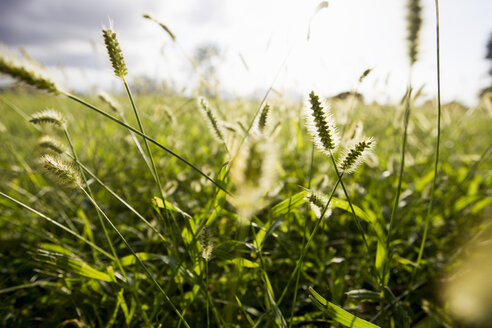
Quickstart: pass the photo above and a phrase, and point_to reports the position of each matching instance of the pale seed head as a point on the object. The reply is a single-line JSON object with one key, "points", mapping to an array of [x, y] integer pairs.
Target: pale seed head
{"points": [[48, 117], [26, 71], [356, 155], [210, 116], [63, 172], [52, 144], [320, 125]]}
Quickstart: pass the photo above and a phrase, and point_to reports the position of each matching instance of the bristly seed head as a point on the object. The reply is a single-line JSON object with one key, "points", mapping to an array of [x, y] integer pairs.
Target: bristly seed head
{"points": [[317, 202], [114, 52], [207, 243], [364, 74], [263, 117], [50, 143], [161, 24], [63, 172], [356, 155], [253, 173], [211, 118], [414, 22], [110, 101], [26, 71], [320, 125], [48, 116]]}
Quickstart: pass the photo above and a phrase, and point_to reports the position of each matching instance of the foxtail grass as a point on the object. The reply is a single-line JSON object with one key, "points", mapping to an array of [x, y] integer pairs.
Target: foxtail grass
{"points": [[438, 138], [114, 52], [414, 23], [48, 117], [161, 24], [67, 175], [321, 125], [110, 101], [262, 121], [322, 128], [207, 245], [211, 118], [49, 143], [356, 155], [26, 71], [62, 171], [253, 174]]}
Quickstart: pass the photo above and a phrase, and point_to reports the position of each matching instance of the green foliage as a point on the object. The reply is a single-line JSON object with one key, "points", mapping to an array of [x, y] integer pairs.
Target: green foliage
{"points": [[64, 272]]}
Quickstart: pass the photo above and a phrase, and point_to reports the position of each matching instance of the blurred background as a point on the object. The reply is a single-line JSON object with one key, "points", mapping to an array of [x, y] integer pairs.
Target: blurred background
{"points": [[240, 47]]}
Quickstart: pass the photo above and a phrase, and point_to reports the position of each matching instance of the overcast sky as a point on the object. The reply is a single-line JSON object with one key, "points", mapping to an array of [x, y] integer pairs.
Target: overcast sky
{"points": [[257, 39]]}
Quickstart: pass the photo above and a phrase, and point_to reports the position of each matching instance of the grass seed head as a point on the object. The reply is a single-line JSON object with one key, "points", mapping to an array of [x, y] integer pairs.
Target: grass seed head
{"points": [[364, 74], [207, 243], [320, 125], [161, 24], [356, 155], [63, 172], [414, 22], [26, 71], [110, 101], [263, 117], [253, 172], [317, 202], [52, 144], [211, 119], [114, 52], [48, 117]]}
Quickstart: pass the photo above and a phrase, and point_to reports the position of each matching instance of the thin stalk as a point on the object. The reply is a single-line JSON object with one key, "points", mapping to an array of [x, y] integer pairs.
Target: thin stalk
{"points": [[140, 216], [144, 267], [311, 167], [306, 246], [359, 227], [357, 223], [59, 225], [153, 170], [266, 280], [191, 244], [207, 293], [114, 119], [400, 178], [106, 234], [139, 147], [436, 162], [18, 111], [241, 234], [298, 274], [147, 148], [270, 88]]}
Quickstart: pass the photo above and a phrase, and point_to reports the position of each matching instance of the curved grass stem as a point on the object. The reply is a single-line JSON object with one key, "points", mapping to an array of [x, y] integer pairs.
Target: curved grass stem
{"points": [[438, 139], [308, 243], [114, 119], [144, 267], [153, 168], [106, 234], [59, 225]]}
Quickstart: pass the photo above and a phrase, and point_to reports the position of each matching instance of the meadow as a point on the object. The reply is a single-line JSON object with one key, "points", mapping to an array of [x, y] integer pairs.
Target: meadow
{"points": [[132, 212]]}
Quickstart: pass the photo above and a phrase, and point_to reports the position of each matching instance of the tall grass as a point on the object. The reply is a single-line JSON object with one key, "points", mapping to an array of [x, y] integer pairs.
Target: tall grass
{"points": [[230, 244]]}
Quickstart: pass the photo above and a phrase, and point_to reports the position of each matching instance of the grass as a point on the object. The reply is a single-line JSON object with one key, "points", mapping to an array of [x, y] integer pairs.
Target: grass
{"points": [[44, 271], [230, 226]]}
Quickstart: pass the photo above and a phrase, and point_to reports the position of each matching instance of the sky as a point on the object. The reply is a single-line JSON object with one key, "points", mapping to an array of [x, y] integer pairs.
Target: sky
{"points": [[260, 42]]}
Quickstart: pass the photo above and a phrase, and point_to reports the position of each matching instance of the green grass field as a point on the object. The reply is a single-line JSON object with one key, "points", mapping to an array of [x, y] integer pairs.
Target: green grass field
{"points": [[158, 210], [51, 277]]}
